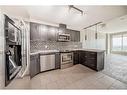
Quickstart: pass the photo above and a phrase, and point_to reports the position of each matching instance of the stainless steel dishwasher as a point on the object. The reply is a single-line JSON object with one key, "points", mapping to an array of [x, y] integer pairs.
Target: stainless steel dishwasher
{"points": [[47, 62]]}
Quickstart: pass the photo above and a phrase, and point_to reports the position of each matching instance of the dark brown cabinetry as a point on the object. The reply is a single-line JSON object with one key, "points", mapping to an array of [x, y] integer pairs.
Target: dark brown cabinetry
{"points": [[52, 33], [34, 65], [34, 35], [91, 59], [74, 35], [42, 32], [77, 57], [57, 61], [49, 33]]}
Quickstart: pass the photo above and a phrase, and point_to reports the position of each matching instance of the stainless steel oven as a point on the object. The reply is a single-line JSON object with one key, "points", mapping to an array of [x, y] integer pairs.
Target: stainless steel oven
{"points": [[13, 61], [66, 59], [12, 50]]}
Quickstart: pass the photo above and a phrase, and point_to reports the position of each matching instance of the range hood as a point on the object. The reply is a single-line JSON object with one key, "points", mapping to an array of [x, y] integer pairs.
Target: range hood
{"points": [[62, 35], [62, 28]]}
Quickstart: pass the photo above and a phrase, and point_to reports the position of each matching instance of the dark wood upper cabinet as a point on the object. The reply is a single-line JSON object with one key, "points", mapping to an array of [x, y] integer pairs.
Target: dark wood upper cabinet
{"points": [[34, 31], [75, 35], [49, 33], [42, 32], [52, 33]]}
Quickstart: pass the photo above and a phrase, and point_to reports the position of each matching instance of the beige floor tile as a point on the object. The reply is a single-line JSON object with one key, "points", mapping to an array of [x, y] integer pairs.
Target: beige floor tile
{"points": [[106, 81], [118, 85], [19, 83], [76, 77]]}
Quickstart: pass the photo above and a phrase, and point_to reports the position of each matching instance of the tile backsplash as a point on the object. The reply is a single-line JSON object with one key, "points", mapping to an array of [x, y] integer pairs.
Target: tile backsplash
{"points": [[41, 45]]}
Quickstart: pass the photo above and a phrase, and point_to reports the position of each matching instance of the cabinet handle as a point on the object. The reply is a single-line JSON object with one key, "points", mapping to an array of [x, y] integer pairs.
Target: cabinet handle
{"points": [[92, 53]]}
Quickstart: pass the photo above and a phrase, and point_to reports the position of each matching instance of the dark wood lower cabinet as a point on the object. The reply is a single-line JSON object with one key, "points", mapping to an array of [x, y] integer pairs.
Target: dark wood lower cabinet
{"points": [[34, 65], [93, 60], [57, 61], [76, 57]]}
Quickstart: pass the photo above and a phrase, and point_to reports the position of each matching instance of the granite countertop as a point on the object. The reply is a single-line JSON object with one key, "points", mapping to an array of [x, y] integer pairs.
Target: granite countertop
{"points": [[92, 50], [62, 51], [43, 52]]}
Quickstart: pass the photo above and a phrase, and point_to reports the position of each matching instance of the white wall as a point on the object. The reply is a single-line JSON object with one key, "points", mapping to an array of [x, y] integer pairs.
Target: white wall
{"points": [[2, 64]]}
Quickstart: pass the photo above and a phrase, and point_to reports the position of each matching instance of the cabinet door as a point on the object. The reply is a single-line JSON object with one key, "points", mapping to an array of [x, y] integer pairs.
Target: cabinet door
{"points": [[37, 64], [77, 36], [34, 65], [52, 33], [34, 33], [71, 34], [83, 57], [43, 31], [90, 60], [76, 57], [57, 60]]}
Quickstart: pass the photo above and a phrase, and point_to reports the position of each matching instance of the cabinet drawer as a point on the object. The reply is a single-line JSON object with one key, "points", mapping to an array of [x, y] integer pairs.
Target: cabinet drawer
{"points": [[90, 63], [91, 54]]}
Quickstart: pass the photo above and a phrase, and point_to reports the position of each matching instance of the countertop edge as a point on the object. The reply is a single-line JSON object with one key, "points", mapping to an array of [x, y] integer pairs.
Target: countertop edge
{"points": [[91, 50]]}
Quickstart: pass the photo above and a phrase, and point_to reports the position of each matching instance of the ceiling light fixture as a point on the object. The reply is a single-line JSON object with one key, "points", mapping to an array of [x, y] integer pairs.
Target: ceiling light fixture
{"points": [[74, 9]]}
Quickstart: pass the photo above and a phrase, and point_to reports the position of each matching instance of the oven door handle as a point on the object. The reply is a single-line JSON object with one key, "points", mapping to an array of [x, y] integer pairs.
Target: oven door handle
{"points": [[12, 62], [9, 53]]}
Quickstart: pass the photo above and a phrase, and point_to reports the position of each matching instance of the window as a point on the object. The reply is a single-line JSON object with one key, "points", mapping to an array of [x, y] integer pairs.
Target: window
{"points": [[125, 42], [119, 42]]}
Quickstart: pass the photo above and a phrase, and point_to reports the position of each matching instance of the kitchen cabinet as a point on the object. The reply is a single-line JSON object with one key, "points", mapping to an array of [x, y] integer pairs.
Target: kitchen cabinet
{"points": [[57, 61], [34, 34], [76, 57], [75, 35], [90, 59], [52, 33], [42, 32], [34, 65], [49, 33], [93, 60], [82, 57]]}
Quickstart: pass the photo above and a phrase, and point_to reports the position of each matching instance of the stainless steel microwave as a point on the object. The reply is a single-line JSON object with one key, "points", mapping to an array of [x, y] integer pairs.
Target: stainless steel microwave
{"points": [[64, 37], [13, 32]]}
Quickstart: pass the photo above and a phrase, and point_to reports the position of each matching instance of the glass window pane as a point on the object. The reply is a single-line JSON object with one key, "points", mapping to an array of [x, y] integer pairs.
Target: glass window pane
{"points": [[125, 42], [116, 42]]}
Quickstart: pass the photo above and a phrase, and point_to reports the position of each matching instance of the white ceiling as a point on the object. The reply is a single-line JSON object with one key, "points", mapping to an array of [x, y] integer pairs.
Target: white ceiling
{"points": [[60, 14], [115, 25]]}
